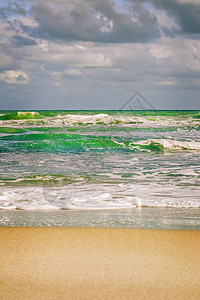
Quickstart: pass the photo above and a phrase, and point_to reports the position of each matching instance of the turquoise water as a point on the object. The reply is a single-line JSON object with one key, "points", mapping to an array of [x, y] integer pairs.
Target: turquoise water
{"points": [[99, 160]]}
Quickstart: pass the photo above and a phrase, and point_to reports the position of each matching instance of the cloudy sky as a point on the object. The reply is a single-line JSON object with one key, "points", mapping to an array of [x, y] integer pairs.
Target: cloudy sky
{"points": [[94, 54]]}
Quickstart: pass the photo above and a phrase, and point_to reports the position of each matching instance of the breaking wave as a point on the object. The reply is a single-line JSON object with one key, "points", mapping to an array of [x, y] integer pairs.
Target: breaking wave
{"points": [[111, 118], [99, 160], [91, 196], [168, 144], [21, 115], [72, 142]]}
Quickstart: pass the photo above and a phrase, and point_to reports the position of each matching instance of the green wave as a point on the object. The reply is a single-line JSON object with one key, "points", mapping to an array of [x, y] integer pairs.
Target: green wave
{"points": [[21, 115], [3, 149], [65, 142], [197, 116], [74, 142], [59, 180], [11, 130], [41, 180], [41, 136]]}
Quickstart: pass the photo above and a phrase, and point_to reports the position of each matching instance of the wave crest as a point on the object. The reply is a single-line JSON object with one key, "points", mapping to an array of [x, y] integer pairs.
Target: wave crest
{"points": [[171, 144], [22, 115], [109, 119]]}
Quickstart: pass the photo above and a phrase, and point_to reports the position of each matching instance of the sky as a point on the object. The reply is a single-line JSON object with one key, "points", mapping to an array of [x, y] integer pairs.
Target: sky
{"points": [[95, 54]]}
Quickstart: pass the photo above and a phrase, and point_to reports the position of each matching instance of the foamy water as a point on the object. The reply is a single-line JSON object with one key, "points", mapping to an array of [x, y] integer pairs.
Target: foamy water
{"points": [[99, 160]]}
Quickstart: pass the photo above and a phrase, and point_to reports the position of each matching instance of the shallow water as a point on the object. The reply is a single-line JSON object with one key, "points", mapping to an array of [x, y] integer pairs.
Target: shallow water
{"points": [[152, 218], [92, 160]]}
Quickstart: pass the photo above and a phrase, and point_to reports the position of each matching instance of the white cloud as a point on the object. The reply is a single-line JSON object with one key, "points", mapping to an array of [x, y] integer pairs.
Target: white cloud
{"points": [[28, 21], [161, 52], [14, 77], [76, 55], [73, 72], [165, 82], [6, 61], [43, 45], [5, 34], [165, 21]]}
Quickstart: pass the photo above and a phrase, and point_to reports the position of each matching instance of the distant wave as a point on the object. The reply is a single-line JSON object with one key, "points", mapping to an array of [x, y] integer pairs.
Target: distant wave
{"points": [[21, 115], [197, 116], [118, 118], [96, 119]]}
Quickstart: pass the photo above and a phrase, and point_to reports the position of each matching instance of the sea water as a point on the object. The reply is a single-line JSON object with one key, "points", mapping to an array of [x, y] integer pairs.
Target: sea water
{"points": [[99, 160]]}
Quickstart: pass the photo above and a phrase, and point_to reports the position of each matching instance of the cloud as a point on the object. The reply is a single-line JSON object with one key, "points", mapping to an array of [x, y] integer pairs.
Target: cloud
{"points": [[10, 8], [21, 41], [93, 49], [184, 12], [138, 21], [14, 77], [73, 72], [78, 55], [6, 61], [95, 21], [167, 83], [161, 52], [5, 34]]}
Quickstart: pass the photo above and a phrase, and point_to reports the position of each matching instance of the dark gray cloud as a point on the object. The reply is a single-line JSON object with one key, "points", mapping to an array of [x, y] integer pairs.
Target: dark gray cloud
{"points": [[96, 21], [100, 21], [184, 13], [188, 14]]}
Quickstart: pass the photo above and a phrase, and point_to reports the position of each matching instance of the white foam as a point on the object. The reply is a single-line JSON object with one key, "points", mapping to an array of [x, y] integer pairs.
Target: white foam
{"points": [[25, 113], [105, 119], [173, 144], [101, 196], [135, 201]]}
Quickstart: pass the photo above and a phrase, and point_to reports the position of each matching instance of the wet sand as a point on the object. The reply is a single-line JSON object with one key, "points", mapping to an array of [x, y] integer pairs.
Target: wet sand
{"points": [[99, 263]]}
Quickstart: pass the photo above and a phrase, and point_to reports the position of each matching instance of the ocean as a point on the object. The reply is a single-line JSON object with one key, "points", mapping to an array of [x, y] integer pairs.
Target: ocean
{"points": [[116, 165]]}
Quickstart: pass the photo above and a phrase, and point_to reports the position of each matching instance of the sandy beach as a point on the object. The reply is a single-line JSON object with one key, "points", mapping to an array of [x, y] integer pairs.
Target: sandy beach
{"points": [[98, 263]]}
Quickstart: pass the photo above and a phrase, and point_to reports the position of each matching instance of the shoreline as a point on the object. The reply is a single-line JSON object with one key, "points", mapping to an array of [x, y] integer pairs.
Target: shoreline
{"points": [[99, 263], [144, 218]]}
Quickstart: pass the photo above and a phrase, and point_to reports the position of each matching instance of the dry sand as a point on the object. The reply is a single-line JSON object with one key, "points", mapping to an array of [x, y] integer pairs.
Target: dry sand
{"points": [[98, 263]]}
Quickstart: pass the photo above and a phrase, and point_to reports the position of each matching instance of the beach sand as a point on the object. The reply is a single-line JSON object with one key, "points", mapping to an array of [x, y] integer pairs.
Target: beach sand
{"points": [[98, 263]]}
